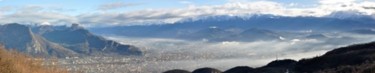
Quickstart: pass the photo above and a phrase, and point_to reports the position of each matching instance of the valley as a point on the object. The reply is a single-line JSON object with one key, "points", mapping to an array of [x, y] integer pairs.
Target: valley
{"points": [[167, 54]]}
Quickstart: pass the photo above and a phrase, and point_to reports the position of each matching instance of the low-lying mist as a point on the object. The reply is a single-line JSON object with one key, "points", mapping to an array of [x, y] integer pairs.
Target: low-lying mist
{"points": [[163, 54]]}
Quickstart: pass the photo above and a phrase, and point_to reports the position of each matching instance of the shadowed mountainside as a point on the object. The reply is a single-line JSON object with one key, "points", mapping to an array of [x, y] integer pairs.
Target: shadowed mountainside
{"points": [[21, 38], [60, 41]]}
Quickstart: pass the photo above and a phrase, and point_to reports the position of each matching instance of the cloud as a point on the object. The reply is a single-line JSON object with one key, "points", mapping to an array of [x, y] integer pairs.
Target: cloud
{"points": [[155, 16], [6, 8], [369, 7], [185, 2], [38, 17], [115, 5], [173, 15], [36, 14], [336, 1], [31, 9], [150, 16]]}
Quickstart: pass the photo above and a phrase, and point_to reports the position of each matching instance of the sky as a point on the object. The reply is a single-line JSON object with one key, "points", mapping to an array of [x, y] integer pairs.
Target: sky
{"points": [[76, 7], [135, 12]]}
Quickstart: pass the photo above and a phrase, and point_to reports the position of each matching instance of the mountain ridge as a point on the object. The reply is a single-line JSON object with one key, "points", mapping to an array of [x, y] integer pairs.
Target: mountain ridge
{"points": [[60, 41], [190, 28]]}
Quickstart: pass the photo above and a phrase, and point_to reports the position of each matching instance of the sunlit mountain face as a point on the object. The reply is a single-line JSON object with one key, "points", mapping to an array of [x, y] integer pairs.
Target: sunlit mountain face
{"points": [[141, 36]]}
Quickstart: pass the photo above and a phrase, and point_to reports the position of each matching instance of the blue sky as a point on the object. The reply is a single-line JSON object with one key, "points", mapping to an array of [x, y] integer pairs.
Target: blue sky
{"points": [[83, 6], [92, 5], [134, 12]]}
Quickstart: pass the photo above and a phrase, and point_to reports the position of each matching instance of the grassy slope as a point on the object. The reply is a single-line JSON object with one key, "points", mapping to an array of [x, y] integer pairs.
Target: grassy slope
{"points": [[13, 62]]}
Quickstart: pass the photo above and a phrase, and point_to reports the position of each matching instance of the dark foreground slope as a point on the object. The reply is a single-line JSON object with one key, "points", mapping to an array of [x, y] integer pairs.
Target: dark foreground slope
{"points": [[359, 58], [60, 41], [13, 62], [350, 57]]}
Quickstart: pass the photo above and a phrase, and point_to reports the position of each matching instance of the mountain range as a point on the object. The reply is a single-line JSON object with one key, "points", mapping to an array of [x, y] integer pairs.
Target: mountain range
{"points": [[60, 41], [245, 28]]}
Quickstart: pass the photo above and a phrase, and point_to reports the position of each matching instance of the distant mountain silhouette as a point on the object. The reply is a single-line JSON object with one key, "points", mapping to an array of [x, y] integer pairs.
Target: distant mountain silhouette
{"points": [[206, 70], [60, 41], [363, 31], [359, 58], [258, 34], [177, 71], [278, 66], [241, 69], [316, 36]]}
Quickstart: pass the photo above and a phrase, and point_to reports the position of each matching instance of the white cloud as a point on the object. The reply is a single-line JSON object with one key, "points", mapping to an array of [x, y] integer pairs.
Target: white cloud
{"points": [[173, 15], [36, 14], [6, 8], [115, 5], [37, 17], [152, 16], [336, 1], [185, 2], [46, 23], [326, 7]]}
